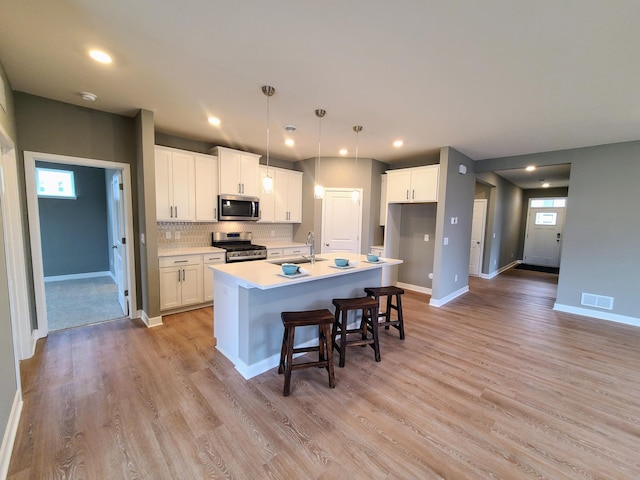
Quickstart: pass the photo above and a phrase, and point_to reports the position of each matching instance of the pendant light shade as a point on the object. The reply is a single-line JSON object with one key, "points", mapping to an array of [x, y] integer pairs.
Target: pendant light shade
{"points": [[318, 189], [267, 180], [355, 195]]}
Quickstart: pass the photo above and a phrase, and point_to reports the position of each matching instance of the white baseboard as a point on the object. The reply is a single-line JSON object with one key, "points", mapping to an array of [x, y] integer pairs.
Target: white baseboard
{"points": [[77, 276], [149, 321], [500, 270], [585, 312], [10, 434], [250, 371], [441, 301], [415, 288]]}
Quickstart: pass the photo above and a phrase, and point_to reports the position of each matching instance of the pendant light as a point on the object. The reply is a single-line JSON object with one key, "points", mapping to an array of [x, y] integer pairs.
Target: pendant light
{"points": [[267, 180], [355, 195], [318, 189]]}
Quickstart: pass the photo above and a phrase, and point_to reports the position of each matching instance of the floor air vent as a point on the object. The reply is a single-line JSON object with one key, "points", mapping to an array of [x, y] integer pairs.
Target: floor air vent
{"points": [[598, 301]]}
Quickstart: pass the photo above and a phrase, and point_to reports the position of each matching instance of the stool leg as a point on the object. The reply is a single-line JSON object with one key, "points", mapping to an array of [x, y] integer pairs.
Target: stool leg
{"points": [[326, 338], [289, 362], [283, 351], [374, 330], [343, 336], [387, 313], [400, 317]]}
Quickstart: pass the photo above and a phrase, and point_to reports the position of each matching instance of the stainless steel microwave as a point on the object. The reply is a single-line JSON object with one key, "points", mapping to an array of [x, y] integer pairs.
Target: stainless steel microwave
{"points": [[239, 208]]}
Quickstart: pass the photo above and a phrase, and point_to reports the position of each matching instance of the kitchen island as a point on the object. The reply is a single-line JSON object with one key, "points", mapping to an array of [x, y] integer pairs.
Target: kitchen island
{"points": [[249, 297]]}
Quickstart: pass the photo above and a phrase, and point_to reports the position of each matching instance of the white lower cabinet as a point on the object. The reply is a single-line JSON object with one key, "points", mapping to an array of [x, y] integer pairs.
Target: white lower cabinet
{"points": [[180, 281], [274, 253], [210, 259], [295, 251]]}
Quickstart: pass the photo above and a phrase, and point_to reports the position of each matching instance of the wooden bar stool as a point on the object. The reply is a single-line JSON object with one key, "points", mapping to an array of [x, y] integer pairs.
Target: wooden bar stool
{"points": [[369, 308], [389, 293], [323, 319]]}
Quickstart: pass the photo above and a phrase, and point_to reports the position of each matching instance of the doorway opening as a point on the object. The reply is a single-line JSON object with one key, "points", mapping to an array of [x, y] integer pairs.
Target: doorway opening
{"points": [[544, 232], [82, 261]]}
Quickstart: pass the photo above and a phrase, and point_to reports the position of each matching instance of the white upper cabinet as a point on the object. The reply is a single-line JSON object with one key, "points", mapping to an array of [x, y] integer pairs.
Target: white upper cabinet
{"points": [[175, 185], [288, 196], [284, 203], [239, 171], [206, 168], [413, 185]]}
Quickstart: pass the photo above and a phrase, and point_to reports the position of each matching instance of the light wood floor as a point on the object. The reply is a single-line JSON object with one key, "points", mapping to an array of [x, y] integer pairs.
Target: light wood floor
{"points": [[493, 385]]}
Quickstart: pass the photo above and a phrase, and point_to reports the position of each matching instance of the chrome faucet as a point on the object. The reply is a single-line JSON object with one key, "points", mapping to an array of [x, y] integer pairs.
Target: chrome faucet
{"points": [[311, 240]]}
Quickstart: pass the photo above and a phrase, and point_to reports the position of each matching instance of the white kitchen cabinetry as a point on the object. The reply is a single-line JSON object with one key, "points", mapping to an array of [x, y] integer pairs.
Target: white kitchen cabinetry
{"points": [[413, 185], [206, 188], [296, 251], [180, 281], [377, 250], [288, 196], [239, 171], [175, 185], [383, 199], [284, 204], [210, 259], [274, 253]]}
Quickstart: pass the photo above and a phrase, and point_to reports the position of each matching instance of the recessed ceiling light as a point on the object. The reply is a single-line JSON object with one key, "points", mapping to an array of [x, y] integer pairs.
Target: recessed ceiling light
{"points": [[530, 168], [343, 151], [88, 96], [215, 121], [100, 56], [289, 142], [545, 185], [398, 143]]}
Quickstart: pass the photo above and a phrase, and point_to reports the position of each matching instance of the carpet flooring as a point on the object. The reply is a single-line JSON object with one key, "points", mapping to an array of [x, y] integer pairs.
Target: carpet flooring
{"points": [[74, 303]]}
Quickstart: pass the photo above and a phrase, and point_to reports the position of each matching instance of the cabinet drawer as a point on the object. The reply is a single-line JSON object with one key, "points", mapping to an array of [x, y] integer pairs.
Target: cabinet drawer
{"points": [[294, 251], [211, 258], [274, 253], [179, 261]]}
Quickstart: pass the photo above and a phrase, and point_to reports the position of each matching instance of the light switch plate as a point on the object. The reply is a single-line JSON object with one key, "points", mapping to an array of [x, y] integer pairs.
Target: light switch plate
{"points": [[167, 235]]}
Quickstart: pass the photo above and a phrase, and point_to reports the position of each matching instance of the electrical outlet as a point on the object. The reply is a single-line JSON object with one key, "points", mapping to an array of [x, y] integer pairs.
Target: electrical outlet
{"points": [[454, 220], [167, 235], [273, 233], [426, 238], [446, 241], [177, 235], [455, 278]]}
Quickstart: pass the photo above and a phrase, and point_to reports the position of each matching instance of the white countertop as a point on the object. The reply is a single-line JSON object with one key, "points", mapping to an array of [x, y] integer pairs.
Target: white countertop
{"points": [[264, 274], [170, 252]]}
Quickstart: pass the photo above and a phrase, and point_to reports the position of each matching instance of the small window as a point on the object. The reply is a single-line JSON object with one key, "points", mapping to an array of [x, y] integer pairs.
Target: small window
{"points": [[548, 202], [546, 218], [55, 183]]}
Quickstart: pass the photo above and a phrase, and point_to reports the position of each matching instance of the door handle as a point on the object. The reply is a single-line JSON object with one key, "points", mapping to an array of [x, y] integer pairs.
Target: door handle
{"points": [[114, 246], [326, 244]]}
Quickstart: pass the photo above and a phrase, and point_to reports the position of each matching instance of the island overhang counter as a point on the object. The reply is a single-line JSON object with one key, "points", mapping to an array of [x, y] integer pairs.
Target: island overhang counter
{"points": [[250, 296]]}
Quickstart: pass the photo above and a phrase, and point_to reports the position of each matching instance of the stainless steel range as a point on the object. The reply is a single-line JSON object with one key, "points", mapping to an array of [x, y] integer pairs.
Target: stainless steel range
{"points": [[238, 246]]}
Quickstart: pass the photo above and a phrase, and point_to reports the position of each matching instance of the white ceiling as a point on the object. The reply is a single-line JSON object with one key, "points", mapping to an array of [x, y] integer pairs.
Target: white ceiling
{"points": [[491, 78]]}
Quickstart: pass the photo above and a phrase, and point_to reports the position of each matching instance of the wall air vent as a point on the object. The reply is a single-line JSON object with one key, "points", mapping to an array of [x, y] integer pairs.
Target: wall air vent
{"points": [[598, 301]]}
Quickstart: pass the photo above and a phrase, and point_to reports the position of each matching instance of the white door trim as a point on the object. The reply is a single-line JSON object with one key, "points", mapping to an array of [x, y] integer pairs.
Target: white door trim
{"points": [[484, 202], [34, 226], [23, 340]]}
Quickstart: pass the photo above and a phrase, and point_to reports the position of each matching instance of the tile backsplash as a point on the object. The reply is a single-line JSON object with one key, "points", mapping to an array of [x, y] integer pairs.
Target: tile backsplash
{"points": [[189, 234]]}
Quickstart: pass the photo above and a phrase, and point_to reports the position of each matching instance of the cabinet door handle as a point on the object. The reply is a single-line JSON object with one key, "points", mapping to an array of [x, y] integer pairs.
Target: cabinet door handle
{"points": [[407, 194], [183, 275], [243, 188], [180, 261], [176, 207], [413, 194], [239, 189], [178, 275], [171, 211], [215, 213]]}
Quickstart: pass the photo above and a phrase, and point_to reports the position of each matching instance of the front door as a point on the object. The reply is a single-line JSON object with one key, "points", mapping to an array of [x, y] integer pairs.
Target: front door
{"points": [[477, 236], [341, 221], [543, 239], [119, 252]]}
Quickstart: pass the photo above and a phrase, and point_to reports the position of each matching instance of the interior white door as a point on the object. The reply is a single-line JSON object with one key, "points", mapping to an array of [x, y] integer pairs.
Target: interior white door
{"points": [[543, 240], [119, 252], [341, 221], [477, 236]]}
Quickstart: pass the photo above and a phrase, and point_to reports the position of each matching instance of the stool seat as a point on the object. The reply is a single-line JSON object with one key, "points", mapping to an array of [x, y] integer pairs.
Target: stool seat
{"points": [[323, 319], [384, 317], [369, 311]]}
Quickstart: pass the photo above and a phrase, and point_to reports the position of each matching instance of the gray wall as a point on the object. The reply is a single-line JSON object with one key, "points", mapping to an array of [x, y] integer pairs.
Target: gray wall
{"points": [[54, 127], [340, 172], [600, 252], [74, 232], [504, 220], [8, 378], [417, 219], [455, 199]]}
